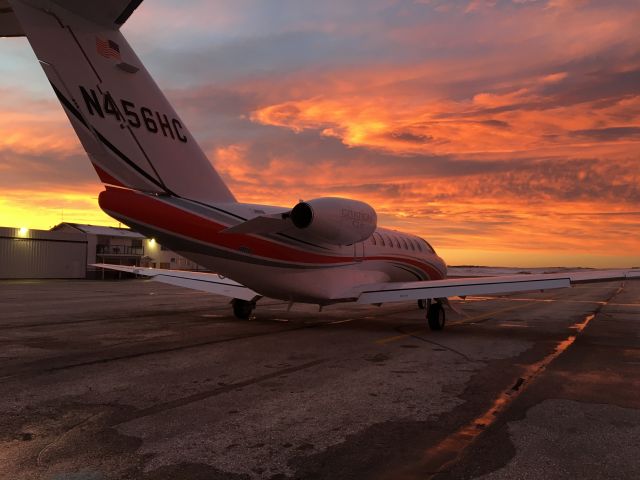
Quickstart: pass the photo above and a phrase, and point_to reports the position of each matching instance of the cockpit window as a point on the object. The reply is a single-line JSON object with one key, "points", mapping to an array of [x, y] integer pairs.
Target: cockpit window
{"points": [[429, 247]]}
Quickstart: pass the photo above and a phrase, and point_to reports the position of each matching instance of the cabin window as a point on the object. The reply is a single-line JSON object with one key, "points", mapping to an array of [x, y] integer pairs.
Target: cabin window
{"points": [[404, 243], [397, 242], [389, 240], [411, 244]]}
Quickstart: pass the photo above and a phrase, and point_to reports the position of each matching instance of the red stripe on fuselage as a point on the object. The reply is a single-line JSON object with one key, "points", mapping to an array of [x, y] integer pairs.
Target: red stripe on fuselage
{"points": [[155, 212]]}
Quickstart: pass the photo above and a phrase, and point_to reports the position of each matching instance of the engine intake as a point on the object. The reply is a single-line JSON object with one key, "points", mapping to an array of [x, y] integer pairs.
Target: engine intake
{"points": [[302, 215], [338, 221]]}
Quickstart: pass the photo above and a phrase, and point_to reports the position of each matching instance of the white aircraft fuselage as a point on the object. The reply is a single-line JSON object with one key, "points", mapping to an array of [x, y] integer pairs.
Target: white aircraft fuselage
{"points": [[283, 265]]}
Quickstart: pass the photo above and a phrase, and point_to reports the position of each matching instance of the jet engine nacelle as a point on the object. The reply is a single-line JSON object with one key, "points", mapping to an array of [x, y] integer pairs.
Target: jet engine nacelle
{"points": [[338, 221]]}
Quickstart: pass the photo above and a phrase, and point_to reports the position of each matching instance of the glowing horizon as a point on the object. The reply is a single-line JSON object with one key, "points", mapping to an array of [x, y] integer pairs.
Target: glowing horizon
{"points": [[505, 133]]}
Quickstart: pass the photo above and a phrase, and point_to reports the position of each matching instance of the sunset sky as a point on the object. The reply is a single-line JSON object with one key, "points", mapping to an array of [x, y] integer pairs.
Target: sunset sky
{"points": [[504, 132]]}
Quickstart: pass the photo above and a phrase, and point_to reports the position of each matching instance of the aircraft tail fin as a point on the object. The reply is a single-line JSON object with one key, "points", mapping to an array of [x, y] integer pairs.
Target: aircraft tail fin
{"points": [[130, 131]]}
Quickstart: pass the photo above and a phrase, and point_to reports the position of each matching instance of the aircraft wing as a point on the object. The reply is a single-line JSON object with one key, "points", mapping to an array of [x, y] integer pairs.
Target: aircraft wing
{"points": [[461, 287], [206, 282]]}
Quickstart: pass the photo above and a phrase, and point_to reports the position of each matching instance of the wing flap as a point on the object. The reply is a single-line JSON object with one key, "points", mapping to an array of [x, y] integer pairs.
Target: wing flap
{"points": [[202, 281], [220, 288], [437, 290], [460, 287]]}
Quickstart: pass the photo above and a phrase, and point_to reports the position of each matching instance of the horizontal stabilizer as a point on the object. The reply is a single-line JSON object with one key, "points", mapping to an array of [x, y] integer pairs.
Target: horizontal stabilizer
{"points": [[9, 24], [261, 225], [109, 13], [203, 281]]}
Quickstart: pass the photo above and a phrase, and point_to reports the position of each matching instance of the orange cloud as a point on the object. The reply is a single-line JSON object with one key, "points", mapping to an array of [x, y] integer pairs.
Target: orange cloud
{"points": [[485, 124], [503, 132], [45, 209], [26, 131]]}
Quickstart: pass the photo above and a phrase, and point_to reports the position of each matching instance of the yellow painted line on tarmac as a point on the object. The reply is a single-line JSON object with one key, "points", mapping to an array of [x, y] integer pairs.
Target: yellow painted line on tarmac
{"points": [[383, 341], [335, 322], [489, 314], [539, 300]]}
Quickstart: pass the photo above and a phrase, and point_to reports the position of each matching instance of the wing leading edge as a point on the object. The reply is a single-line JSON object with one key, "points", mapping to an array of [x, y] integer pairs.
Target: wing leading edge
{"points": [[461, 287], [205, 282]]}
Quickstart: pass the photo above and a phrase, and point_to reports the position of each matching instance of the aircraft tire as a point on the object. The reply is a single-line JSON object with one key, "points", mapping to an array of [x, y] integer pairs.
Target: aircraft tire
{"points": [[242, 309], [435, 316]]}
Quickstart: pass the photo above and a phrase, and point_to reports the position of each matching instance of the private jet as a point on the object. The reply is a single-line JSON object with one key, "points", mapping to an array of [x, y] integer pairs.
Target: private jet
{"points": [[158, 181]]}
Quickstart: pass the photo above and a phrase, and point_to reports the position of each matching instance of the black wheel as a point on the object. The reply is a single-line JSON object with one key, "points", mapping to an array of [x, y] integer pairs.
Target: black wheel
{"points": [[422, 304], [435, 316], [242, 309]]}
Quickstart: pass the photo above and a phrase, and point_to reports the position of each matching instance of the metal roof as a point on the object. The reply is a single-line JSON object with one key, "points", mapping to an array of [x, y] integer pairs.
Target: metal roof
{"points": [[105, 231], [34, 234]]}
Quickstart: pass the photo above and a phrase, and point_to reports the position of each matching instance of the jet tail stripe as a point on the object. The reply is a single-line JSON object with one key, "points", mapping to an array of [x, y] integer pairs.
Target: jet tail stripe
{"points": [[163, 185], [74, 111], [125, 159], [106, 177], [68, 105]]}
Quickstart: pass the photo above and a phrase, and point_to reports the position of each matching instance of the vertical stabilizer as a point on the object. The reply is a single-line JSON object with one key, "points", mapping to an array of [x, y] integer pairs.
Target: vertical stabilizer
{"points": [[132, 134]]}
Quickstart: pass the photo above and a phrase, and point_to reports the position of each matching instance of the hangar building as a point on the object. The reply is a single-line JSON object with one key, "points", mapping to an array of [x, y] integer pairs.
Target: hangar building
{"points": [[67, 250], [42, 254]]}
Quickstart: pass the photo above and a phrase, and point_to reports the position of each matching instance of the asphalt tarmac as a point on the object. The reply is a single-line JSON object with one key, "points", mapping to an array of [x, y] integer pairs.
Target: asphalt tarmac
{"points": [[138, 380]]}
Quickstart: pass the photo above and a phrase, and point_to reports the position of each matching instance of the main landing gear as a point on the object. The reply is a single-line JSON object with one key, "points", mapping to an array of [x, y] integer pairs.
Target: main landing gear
{"points": [[435, 315], [242, 309]]}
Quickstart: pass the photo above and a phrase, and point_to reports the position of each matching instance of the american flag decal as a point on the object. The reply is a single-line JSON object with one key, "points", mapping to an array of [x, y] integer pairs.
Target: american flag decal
{"points": [[107, 48]]}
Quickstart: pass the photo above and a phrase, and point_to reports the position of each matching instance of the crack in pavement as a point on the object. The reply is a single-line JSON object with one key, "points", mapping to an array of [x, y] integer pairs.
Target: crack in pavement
{"points": [[196, 397]]}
